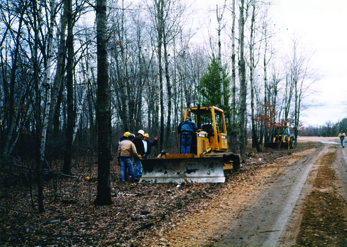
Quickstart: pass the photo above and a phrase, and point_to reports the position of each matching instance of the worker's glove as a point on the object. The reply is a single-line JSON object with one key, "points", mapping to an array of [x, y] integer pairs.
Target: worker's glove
{"points": [[140, 156]]}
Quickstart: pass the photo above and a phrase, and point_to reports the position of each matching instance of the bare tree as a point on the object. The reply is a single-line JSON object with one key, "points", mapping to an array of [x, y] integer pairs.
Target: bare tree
{"points": [[103, 109], [252, 66], [59, 72], [70, 88], [267, 34], [233, 79], [39, 166], [243, 82], [47, 78], [125, 77], [159, 6], [288, 96], [219, 19], [303, 77]]}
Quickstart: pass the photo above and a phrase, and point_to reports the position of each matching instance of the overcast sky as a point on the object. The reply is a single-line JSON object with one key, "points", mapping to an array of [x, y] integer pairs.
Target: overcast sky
{"points": [[321, 24]]}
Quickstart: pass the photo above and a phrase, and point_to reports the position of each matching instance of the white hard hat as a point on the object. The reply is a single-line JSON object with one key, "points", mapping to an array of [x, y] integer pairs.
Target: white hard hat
{"points": [[141, 132]]}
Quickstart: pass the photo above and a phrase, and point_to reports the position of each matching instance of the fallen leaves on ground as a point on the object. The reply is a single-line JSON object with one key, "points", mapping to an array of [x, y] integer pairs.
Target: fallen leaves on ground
{"points": [[138, 210]]}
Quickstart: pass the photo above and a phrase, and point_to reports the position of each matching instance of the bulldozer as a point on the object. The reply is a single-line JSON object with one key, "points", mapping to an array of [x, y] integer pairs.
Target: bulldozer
{"points": [[208, 158], [281, 138]]}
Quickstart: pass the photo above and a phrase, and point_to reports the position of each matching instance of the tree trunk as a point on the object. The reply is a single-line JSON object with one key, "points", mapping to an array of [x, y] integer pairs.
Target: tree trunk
{"points": [[168, 86], [91, 106], [219, 19], [39, 167], [255, 142], [56, 116], [298, 92], [79, 109], [288, 95], [58, 79], [103, 108], [69, 86], [243, 85], [159, 23], [266, 99], [47, 83], [233, 88], [141, 77], [126, 113]]}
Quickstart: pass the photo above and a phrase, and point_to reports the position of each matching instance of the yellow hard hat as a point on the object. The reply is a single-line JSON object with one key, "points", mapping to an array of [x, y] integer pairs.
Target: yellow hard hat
{"points": [[126, 134], [146, 135]]}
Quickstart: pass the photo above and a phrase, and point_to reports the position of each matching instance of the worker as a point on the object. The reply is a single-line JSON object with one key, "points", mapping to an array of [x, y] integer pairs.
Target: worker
{"points": [[125, 150], [342, 138], [123, 138], [286, 132], [140, 150], [186, 129], [147, 144]]}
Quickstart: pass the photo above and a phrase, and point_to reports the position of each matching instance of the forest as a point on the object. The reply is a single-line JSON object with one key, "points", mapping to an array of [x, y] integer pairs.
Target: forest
{"points": [[75, 75]]}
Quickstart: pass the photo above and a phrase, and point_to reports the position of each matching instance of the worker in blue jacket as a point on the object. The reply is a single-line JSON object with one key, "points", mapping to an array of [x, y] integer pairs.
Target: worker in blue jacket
{"points": [[187, 129], [147, 144]]}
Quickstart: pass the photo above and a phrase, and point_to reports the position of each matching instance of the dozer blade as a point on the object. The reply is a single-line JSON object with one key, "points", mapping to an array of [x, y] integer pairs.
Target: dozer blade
{"points": [[177, 170]]}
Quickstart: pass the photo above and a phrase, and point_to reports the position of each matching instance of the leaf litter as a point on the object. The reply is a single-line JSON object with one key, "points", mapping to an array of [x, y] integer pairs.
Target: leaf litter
{"points": [[139, 215]]}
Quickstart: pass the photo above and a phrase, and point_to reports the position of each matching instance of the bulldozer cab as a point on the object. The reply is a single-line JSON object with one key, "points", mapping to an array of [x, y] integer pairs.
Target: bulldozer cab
{"points": [[211, 135]]}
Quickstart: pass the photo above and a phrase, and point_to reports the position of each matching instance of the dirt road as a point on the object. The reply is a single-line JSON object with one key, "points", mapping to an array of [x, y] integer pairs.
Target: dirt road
{"points": [[298, 200]]}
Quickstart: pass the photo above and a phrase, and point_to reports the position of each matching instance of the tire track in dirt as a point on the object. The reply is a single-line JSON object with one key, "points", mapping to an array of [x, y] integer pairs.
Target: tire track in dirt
{"points": [[247, 210], [291, 202], [341, 169], [266, 220]]}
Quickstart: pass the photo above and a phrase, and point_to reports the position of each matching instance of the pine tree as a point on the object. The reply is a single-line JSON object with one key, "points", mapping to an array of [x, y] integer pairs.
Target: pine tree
{"points": [[209, 93]]}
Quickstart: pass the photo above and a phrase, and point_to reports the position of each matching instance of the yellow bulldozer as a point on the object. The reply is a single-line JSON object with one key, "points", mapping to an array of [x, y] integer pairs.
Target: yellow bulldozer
{"points": [[281, 138], [208, 157]]}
